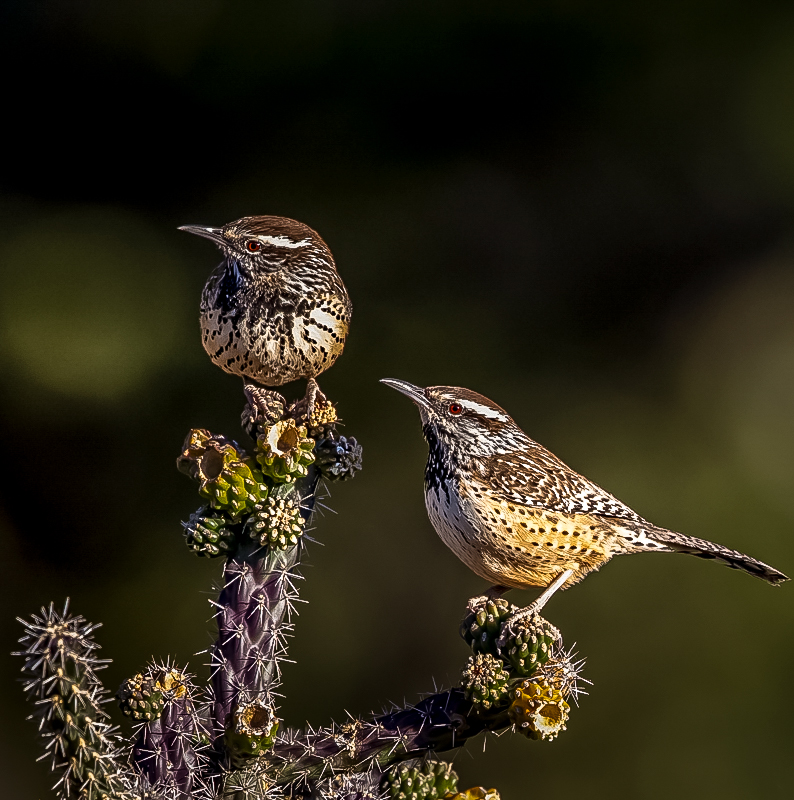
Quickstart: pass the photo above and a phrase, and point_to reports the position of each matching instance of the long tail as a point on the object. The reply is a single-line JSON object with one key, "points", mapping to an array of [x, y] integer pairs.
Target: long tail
{"points": [[702, 548]]}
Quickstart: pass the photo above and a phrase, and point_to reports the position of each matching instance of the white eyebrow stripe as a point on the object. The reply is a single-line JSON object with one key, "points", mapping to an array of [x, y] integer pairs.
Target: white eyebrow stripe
{"points": [[485, 411], [283, 241]]}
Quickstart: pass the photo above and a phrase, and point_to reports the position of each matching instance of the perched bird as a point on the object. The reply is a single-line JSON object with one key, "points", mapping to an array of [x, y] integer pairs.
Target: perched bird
{"points": [[518, 516], [275, 309]]}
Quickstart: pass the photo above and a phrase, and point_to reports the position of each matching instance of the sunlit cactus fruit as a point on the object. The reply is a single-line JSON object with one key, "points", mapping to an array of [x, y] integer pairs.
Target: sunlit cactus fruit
{"points": [[482, 625], [538, 709], [209, 534], [529, 644], [277, 522], [252, 731], [484, 680], [476, 793], [285, 451], [227, 476], [429, 781], [143, 696], [323, 414], [338, 457], [323, 418]]}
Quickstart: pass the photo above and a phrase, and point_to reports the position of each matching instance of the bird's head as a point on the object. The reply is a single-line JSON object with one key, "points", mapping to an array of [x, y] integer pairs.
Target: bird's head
{"points": [[461, 420], [260, 245]]}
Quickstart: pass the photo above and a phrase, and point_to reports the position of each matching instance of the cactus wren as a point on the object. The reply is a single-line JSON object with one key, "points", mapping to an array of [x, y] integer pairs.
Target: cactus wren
{"points": [[275, 309], [518, 516]]}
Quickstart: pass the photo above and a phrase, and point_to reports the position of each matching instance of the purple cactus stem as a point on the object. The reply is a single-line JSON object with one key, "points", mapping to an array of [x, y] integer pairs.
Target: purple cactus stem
{"points": [[253, 612], [169, 751], [439, 722]]}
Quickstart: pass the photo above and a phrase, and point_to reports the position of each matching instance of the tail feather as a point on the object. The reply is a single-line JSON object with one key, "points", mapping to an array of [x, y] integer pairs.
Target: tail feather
{"points": [[702, 548]]}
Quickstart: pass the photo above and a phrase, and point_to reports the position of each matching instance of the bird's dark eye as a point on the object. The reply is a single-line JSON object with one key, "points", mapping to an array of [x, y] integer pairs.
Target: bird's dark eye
{"points": [[252, 245], [455, 409]]}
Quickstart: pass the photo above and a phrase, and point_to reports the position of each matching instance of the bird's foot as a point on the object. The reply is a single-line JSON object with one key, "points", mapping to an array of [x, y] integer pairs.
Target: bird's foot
{"points": [[494, 593], [313, 394], [313, 410], [513, 624], [263, 407], [517, 619]]}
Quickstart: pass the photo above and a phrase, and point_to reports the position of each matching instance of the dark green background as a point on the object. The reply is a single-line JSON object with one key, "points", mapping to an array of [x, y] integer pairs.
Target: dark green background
{"points": [[582, 210]]}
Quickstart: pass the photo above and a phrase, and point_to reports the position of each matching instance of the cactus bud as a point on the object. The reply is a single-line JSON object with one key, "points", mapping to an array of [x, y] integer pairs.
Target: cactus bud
{"points": [[338, 457], [481, 627], [484, 680], [529, 643]]}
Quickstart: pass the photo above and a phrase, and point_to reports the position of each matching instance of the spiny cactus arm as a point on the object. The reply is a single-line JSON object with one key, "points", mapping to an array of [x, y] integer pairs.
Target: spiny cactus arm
{"points": [[361, 786], [440, 722], [60, 673], [171, 750]]}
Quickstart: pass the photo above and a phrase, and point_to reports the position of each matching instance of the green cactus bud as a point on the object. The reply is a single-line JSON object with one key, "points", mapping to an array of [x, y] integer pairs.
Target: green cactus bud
{"points": [[252, 731], [284, 451], [538, 709], [276, 521], [529, 644], [228, 477], [484, 681], [481, 627], [138, 698], [442, 777], [209, 534], [143, 696], [429, 781]]}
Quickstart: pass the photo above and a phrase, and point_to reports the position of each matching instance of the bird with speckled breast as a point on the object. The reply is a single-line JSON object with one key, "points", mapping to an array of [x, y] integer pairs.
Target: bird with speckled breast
{"points": [[275, 309], [519, 517]]}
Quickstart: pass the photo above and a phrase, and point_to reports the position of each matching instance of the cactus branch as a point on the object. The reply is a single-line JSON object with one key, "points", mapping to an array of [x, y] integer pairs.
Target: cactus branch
{"points": [[253, 613], [60, 678]]}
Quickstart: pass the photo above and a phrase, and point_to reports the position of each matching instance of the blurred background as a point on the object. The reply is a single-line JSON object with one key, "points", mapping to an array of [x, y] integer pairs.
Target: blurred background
{"points": [[582, 210]]}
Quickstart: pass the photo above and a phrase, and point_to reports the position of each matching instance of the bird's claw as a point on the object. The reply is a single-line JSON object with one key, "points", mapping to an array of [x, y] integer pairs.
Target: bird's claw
{"points": [[262, 406], [513, 623], [475, 603]]}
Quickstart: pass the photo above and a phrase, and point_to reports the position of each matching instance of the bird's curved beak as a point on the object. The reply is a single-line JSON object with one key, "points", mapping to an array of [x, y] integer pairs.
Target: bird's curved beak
{"points": [[409, 390], [213, 234]]}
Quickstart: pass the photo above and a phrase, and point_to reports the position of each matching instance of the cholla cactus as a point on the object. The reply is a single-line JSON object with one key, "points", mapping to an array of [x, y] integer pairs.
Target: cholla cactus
{"points": [[139, 697], [276, 521], [60, 677], [252, 730], [228, 478], [284, 451], [482, 625], [323, 414], [225, 742], [484, 680], [538, 709], [428, 781], [338, 457], [171, 753], [529, 643], [210, 534], [144, 696]]}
